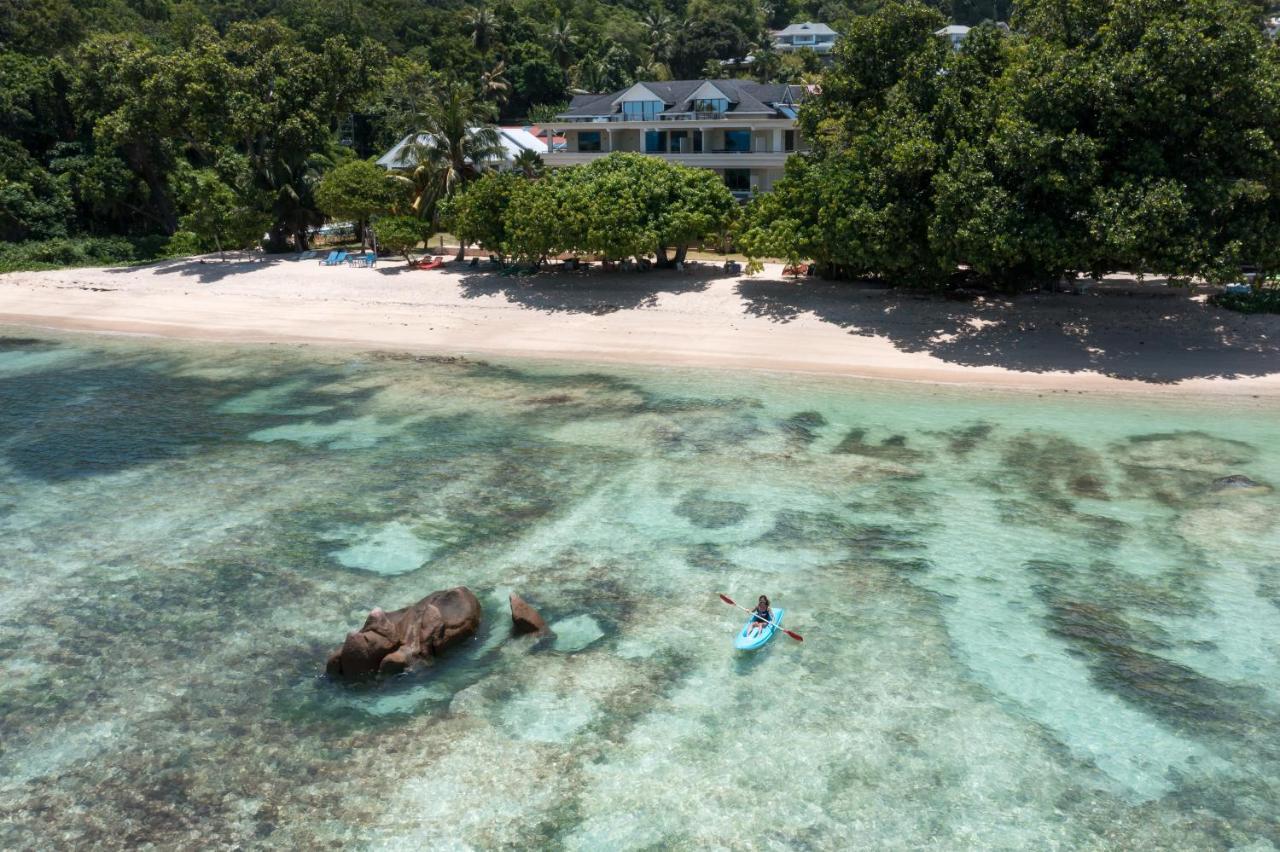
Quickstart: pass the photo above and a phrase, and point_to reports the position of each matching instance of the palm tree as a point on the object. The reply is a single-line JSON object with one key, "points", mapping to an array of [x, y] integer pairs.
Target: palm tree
{"points": [[480, 22], [290, 180], [562, 42], [661, 39], [589, 74], [766, 61], [454, 142], [494, 83], [529, 163]]}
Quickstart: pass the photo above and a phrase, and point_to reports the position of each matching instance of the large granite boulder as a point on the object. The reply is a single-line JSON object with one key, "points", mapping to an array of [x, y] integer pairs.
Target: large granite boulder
{"points": [[391, 642]]}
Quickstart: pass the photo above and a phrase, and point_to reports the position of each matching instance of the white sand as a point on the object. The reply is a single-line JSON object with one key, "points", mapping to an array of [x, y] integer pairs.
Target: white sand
{"points": [[1118, 336]]}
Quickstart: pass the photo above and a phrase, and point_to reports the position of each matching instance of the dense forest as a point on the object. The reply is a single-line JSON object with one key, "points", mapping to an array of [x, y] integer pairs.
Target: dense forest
{"points": [[1094, 135], [121, 115]]}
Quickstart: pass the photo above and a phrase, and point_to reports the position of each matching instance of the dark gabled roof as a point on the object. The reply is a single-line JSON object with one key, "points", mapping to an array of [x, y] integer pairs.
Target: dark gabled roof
{"points": [[745, 96]]}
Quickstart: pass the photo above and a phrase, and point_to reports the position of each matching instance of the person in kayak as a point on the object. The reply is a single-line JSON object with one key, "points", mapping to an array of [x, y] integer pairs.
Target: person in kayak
{"points": [[761, 615]]}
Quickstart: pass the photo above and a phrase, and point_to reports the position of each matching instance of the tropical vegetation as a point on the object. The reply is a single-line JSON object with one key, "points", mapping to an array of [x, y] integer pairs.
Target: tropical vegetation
{"points": [[1098, 135], [617, 207]]}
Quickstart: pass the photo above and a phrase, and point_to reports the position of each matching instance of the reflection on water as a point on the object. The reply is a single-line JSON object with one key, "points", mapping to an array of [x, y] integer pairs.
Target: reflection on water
{"points": [[1030, 620]]}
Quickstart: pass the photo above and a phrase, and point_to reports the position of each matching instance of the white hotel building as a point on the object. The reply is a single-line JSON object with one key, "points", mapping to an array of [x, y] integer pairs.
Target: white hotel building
{"points": [[742, 130]]}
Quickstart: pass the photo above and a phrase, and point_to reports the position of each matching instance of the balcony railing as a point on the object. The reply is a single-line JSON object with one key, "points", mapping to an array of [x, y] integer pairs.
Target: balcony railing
{"points": [[665, 116]]}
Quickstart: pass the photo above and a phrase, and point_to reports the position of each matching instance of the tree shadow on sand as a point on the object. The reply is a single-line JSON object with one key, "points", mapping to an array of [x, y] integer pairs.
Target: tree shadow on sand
{"points": [[1152, 334], [210, 270], [587, 292]]}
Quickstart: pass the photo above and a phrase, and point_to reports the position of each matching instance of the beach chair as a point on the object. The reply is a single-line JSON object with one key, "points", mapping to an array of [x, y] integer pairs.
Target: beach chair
{"points": [[328, 261], [338, 257]]}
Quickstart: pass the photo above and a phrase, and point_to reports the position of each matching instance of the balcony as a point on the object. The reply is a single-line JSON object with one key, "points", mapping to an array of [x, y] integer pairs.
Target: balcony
{"points": [[664, 116], [705, 159]]}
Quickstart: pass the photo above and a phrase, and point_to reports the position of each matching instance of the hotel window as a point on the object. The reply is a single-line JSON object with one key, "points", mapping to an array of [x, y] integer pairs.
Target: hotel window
{"points": [[589, 140], [641, 110], [711, 105], [655, 142], [738, 180], [737, 141], [788, 140]]}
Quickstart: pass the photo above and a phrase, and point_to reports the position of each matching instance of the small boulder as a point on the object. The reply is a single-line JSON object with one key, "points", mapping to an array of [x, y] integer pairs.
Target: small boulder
{"points": [[525, 619], [1238, 484], [392, 642]]}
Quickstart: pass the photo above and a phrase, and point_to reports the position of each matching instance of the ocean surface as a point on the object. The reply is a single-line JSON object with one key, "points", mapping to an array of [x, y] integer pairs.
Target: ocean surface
{"points": [[1030, 620]]}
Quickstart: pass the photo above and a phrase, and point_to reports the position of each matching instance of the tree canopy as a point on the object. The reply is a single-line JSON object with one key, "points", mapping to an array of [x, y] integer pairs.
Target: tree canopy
{"points": [[1097, 136], [622, 205]]}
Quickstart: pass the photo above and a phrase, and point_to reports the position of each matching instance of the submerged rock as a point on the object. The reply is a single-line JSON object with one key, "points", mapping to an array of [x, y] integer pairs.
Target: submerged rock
{"points": [[1238, 483], [391, 642], [525, 619]]}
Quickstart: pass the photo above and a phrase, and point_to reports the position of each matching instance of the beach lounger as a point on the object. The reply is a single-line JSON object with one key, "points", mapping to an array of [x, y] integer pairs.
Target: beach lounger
{"points": [[328, 260], [429, 262], [334, 259]]}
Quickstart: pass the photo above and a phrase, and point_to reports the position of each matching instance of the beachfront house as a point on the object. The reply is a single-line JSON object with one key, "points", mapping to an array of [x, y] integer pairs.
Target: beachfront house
{"points": [[819, 38], [741, 130], [513, 140]]}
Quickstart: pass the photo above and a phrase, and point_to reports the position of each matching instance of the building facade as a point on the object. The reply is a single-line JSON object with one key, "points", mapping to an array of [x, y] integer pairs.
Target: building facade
{"points": [[819, 38], [742, 130]]}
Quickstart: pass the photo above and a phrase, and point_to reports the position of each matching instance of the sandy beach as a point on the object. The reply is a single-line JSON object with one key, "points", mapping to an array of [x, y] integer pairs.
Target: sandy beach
{"points": [[1118, 335]]}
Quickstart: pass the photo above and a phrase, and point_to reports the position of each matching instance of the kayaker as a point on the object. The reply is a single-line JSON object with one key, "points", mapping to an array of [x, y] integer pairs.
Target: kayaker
{"points": [[762, 615]]}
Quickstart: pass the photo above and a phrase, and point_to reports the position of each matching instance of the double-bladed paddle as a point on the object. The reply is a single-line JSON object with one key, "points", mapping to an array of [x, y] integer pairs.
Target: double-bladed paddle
{"points": [[731, 602]]}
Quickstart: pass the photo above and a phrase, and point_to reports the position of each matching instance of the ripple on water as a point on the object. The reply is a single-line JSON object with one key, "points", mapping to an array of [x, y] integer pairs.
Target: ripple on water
{"points": [[1029, 624]]}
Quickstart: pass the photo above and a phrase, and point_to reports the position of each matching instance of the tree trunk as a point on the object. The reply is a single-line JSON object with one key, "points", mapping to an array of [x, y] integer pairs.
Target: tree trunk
{"points": [[661, 260], [161, 203], [680, 254], [462, 250]]}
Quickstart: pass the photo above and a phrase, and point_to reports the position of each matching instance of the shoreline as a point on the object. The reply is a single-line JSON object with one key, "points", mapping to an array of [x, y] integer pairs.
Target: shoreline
{"points": [[1121, 337]]}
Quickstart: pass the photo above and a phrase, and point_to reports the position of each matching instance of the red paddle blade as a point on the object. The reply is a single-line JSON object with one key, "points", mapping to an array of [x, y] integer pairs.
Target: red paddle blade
{"points": [[730, 601], [793, 634]]}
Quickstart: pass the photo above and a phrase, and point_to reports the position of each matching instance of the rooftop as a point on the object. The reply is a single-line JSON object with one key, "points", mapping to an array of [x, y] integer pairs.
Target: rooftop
{"points": [[743, 97], [806, 28]]}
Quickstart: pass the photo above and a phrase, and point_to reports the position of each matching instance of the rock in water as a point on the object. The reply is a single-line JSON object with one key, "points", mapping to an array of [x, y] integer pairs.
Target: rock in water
{"points": [[525, 619], [391, 642], [1238, 483]]}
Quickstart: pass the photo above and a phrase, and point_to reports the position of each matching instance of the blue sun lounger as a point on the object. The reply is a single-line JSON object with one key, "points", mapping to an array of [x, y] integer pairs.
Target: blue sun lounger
{"points": [[334, 258]]}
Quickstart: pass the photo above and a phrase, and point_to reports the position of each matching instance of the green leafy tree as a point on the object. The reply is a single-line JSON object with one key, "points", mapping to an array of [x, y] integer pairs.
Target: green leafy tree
{"points": [[622, 205], [34, 205], [357, 190], [219, 216], [401, 234], [479, 213]]}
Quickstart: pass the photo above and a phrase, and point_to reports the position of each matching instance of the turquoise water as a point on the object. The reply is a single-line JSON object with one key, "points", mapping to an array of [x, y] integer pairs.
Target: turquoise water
{"points": [[1029, 621]]}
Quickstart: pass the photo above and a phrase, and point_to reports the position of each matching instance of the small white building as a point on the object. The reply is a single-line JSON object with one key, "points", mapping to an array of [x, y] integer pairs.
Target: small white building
{"points": [[819, 38], [513, 139], [956, 34]]}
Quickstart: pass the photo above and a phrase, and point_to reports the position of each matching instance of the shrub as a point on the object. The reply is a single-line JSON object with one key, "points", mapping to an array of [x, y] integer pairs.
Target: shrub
{"points": [[79, 251], [401, 234], [1259, 301]]}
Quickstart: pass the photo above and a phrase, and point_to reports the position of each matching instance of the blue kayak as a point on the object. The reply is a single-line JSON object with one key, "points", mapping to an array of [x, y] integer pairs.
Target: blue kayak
{"points": [[748, 640]]}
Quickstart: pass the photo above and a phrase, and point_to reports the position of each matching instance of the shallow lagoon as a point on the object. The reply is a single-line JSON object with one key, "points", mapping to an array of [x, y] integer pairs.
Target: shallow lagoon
{"points": [[1030, 621]]}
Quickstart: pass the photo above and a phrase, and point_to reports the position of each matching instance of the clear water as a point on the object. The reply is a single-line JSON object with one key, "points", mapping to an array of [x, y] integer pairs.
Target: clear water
{"points": [[1029, 622]]}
